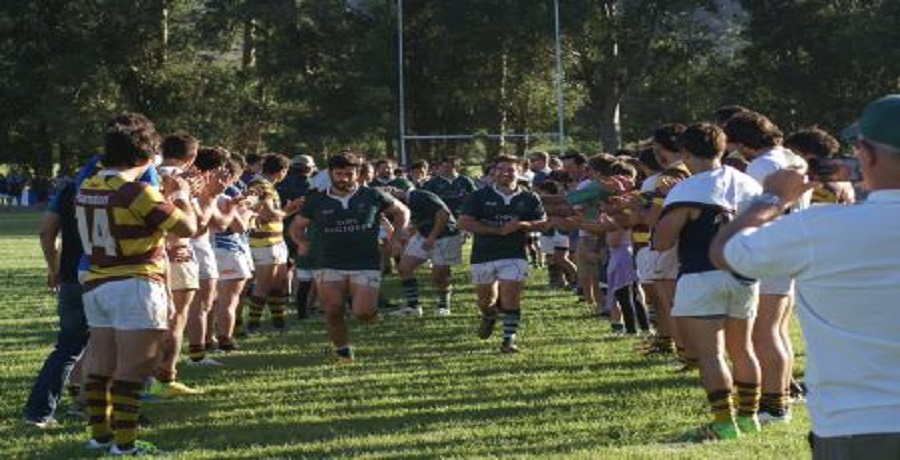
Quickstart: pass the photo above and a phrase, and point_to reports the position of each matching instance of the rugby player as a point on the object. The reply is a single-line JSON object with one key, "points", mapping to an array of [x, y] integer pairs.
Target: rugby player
{"points": [[345, 219], [500, 217], [122, 224]]}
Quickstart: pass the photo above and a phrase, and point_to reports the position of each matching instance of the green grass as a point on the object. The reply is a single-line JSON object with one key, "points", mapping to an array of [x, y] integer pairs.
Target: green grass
{"points": [[421, 388]]}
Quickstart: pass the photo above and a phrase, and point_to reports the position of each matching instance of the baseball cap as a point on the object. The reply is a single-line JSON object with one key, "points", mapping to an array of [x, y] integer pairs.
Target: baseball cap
{"points": [[303, 160], [879, 123]]}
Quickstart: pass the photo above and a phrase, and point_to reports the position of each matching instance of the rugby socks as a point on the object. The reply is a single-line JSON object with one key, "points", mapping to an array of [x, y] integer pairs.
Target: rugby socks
{"points": [[748, 399], [774, 403], [444, 298], [411, 292], [226, 343], [256, 306], [99, 404], [126, 406], [510, 319], [277, 302], [303, 290], [720, 406], [196, 352]]}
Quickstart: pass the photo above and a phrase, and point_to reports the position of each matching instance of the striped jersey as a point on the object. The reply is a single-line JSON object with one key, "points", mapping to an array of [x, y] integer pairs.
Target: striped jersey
{"points": [[229, 240], [268, 233], [122, 225]]}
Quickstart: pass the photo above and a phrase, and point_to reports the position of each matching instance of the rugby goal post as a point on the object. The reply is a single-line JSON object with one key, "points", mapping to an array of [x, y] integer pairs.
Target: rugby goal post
{"points": [[401, 93]]}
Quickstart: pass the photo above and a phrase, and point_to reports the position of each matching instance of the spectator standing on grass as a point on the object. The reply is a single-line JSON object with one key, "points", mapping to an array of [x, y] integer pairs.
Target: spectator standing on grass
{"points": [[62, 278], [847, 287]]}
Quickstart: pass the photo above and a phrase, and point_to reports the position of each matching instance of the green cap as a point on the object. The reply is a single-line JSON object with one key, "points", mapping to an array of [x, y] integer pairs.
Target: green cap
{"points": [[879, 123]]}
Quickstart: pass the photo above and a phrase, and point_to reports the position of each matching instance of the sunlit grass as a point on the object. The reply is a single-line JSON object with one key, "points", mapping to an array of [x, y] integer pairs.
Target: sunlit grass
{"points": [[421, 388]]}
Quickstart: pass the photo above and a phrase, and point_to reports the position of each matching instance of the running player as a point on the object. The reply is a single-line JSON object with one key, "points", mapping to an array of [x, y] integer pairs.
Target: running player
{"points": [[500, 217], [449, 185], [345, 219], [122, 223], [437, 239]]}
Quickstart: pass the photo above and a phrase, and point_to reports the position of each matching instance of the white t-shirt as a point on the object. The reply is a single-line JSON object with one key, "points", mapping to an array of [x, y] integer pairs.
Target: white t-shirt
{"points": [[846, 263], [775, 159]]}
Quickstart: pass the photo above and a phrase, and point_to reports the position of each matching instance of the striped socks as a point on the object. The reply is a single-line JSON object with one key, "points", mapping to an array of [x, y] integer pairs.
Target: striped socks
{"points": [[97, 398], [125, 405], [411, 292], [510, 319]]}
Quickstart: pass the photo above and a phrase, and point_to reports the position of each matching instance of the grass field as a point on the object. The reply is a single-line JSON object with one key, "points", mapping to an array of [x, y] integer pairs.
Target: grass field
{"points": [[421, 387]]}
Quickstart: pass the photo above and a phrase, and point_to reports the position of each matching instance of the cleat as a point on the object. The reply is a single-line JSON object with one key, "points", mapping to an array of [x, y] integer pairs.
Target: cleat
{"points": [[171, 389], [443, 312], [279, 324], [407, 311], [486, 328], [712, 432], [229, 347], [509, 348], [343, 355], [251, 328], [748, 425], [140, 448], [205, 362], [766, 416], [45, 424], [93, 444]]}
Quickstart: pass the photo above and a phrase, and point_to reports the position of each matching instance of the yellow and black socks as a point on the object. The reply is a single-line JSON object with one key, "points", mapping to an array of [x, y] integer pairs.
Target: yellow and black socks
{"points": [[720, 406], [748, 399], [99, 406], [774, 403], [256, 305], [126, 407], [277, 304], [196, 352], [411, 292]]}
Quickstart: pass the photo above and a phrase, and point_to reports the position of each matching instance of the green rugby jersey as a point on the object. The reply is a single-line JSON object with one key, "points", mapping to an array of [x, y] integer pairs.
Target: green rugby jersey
{"points": [[401, 183], [423, 206], [346, 228], [453, 192], [491, 208]]}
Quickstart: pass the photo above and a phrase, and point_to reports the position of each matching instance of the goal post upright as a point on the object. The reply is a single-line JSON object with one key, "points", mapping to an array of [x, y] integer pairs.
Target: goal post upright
{"points": [[558, 80]]}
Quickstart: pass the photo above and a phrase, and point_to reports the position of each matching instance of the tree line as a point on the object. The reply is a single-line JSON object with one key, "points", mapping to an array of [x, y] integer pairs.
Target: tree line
{"points": [[316, 76]]}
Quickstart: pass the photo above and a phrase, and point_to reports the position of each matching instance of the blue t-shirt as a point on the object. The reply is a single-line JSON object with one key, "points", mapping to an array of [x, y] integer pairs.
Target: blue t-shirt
{"points": [[63, 205]]}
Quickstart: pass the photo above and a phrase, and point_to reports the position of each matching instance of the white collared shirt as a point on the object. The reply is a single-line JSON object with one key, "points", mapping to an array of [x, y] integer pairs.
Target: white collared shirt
{"points": [[846, 263]]}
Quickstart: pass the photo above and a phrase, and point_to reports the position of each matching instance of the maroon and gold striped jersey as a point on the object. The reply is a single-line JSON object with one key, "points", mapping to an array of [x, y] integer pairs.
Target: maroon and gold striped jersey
{"points": [[122, 225]]}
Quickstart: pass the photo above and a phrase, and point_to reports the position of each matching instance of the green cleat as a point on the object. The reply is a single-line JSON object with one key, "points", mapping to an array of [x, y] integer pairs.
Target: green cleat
{"points": [[748, 425], [712, 432]]}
